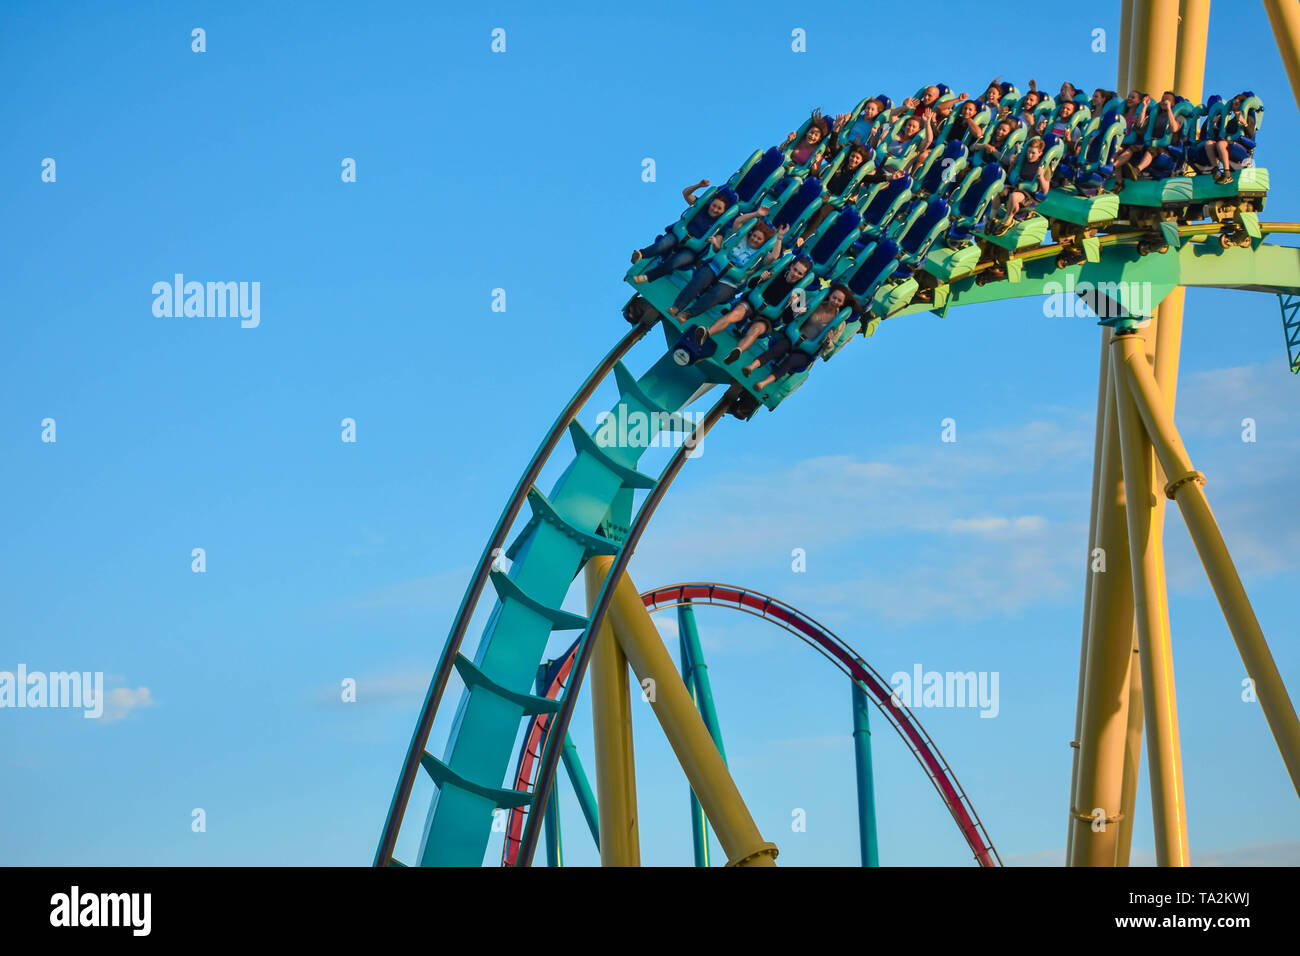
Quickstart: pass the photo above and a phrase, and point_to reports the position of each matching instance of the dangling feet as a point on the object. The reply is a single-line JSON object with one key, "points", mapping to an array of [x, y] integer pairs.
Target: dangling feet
{"points": [[636, 257], [673, 310], [700, 334], [641, 278], [731, 357], [1224, 177]]}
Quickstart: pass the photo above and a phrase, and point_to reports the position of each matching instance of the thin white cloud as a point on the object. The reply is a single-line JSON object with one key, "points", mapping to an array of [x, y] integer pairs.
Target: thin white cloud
{"points": [[122, 701]]}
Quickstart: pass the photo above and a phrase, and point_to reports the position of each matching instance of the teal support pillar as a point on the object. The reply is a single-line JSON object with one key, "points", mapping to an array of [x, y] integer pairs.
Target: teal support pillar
{"points": [[581, 788], [866, 785], [699, 673], [696, 677], [554, 853]]}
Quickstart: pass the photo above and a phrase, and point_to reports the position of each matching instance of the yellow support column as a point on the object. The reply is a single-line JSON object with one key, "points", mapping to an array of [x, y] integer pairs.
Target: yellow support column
{"points": [[1193, 29], [1153, 48], [611, 720], [1160, 703], [1095, 807], [686, 732], [1284, 17], [1103, 389], [1132, 758], [1104, 392], [1125, 46], [1185, 488], [1167, 51]]}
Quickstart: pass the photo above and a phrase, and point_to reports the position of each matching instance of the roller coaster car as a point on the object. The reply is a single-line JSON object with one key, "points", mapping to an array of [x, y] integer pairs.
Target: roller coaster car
{"points": [[832, 239], [779, 390], [971, 201], [923, 226], [1032, 228], [697, 244], [1010, 96], [798, 169], [941, 169], [687, 351], [857, 128], [1024, 234], [798, 200], [1089, 169], [1235, 204], [872, 268], [1075, 220], [1044, 110], [882, 161], [1079, 119], [850, 188], [882, 204], [1015, 139], [959, 253], [752, 181]]}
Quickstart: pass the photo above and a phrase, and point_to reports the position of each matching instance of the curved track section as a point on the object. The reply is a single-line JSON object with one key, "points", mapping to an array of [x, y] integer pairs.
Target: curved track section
{"points": [[590, 511], [482, 573], [816, 635]]}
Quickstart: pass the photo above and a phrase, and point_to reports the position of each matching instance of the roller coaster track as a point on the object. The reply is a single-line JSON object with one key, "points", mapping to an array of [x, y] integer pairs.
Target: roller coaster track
{"points": [[815, 635], [589, 512]]}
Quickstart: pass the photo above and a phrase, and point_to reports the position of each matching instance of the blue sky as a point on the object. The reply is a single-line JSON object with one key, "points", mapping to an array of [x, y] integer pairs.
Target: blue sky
{"points": [[522, 171]]}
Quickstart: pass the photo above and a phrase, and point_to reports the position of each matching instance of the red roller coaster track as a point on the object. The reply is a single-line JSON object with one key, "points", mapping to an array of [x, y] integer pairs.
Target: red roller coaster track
{"points": [[919, 742]]}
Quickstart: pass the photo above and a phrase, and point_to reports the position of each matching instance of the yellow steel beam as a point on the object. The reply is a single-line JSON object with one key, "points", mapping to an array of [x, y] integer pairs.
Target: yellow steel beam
{"points": [[1107, 734], [1284, 17], [1133, 727], [1160, 704], [1185, 488], [1156, 708], [1095, 807], [611, 720], [686, 731], [1132, 759], [1125, 45], [1153, 47], [1103, 389], [1193, 30]]}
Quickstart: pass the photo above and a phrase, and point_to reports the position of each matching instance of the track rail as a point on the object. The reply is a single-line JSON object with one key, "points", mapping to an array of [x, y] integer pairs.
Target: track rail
{"points": [[424, 724], [838, 652]]}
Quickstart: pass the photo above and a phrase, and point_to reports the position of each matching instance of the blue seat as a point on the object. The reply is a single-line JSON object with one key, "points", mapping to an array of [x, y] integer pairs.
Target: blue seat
{"points": [[798, 201], [882, 204], [920, 230], [831, 239], [942, 169], [1095, 161], [750, 184], [971, 202], [865, 274]]}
